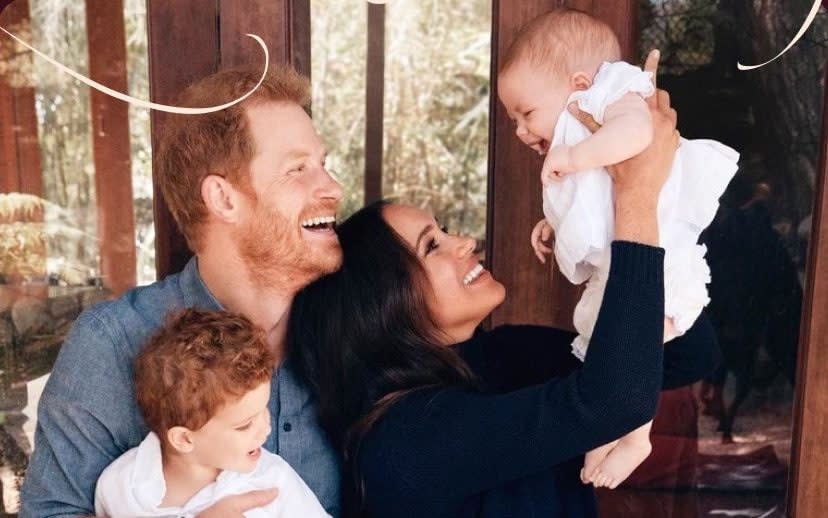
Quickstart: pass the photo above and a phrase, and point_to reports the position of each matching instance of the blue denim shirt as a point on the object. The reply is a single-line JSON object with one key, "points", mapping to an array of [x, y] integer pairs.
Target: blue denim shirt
{"points": [[88, 416]]}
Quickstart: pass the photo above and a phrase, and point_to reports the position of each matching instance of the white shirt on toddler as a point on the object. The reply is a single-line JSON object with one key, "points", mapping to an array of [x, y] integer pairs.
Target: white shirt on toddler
{"points": [[133, 486], [579, 208]]}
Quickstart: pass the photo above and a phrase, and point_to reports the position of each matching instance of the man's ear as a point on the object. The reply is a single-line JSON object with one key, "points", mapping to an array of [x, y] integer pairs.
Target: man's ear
{"points": [[221, 198], [181, 439], [580, 81]]}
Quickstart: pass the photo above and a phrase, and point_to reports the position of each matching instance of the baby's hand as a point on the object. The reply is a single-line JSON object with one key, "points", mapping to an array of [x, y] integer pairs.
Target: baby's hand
{"points": [[542, 232], [558, 162]]}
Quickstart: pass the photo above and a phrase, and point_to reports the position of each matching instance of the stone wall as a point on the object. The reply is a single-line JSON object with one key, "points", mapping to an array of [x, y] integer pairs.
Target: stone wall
{"points": [[33, 314]]}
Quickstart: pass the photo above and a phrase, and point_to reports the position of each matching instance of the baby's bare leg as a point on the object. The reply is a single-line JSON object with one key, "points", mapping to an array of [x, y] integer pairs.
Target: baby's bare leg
{"points": [[627, 455], [593, 459]]}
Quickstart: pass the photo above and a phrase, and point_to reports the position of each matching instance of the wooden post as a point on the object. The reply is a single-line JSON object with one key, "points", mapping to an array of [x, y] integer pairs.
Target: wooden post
{"points": [[511, 217], [807, 492], [191, 39], [19, 145], [183, 47], [535, 294], [110, 136], [374, 102]]}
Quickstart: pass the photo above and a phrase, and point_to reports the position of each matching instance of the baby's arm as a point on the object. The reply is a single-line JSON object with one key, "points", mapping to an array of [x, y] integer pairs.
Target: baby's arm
{"points": [[627, 131]]}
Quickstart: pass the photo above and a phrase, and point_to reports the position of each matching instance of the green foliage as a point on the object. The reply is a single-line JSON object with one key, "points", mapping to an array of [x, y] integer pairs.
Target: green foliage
{"points": [[436, 102], [58, 28], [29, 227]]}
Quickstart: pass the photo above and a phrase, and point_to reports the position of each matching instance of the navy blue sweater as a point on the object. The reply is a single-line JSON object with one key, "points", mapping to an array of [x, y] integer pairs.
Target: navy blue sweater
{"points": [[516, 448]]}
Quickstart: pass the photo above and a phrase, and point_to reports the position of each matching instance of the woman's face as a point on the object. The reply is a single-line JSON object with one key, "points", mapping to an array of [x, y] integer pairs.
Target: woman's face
{"points": [[462, 292]]}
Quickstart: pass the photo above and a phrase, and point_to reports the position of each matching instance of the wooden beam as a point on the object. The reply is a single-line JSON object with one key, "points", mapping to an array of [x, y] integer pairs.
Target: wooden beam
{"points": [[535, 293], [183, 47], [240, 17], [191, 39], [300, 36], [374, 102], [20, 169], [622, 16], [9, 172], [110, 136], [807, 492]]}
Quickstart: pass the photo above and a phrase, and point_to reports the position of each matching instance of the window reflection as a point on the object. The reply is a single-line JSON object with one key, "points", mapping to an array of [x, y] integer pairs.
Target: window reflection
{"points": [[50, 252], [437, 109], [723, 447]]}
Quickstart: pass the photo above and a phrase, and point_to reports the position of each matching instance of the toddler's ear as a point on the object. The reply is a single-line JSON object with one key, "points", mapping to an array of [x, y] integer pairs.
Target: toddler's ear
{"points": [[580, 81], [180, 438]]}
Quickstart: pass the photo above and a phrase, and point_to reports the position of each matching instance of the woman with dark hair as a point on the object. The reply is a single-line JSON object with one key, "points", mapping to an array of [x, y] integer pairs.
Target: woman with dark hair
{"points": [[436, 417]]}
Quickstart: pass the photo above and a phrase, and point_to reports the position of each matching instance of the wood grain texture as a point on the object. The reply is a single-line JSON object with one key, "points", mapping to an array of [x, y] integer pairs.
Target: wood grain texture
{"points": [[111, 146], [183, 47], [536, 293], [270, 20], [299, 52], [807, 489], [374, 102], [20, 169], [190, 39], [9, 172]]}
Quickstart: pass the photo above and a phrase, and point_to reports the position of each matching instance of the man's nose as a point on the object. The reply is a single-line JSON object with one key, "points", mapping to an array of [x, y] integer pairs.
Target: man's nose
{"points": [[329, 188]]}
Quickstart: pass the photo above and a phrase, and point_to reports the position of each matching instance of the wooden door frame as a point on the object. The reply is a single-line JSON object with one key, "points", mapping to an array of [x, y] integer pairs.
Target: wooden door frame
{"points": [[807, 490]]}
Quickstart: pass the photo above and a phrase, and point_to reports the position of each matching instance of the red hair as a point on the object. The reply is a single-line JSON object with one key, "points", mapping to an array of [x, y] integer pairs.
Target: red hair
{"points": [[197, 362], [193, 147]]}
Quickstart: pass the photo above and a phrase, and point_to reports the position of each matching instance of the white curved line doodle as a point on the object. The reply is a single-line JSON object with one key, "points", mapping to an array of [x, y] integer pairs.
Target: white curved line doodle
{"points": [[146, 104], [805, 26]]}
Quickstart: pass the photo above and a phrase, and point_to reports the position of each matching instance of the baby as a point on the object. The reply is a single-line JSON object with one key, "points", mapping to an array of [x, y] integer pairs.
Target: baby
{"points": [[567, 56], [202, 384]]}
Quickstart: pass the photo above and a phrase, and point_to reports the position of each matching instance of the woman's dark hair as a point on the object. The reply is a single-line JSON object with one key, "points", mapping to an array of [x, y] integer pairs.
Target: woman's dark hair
{"points": [[363, 337]]}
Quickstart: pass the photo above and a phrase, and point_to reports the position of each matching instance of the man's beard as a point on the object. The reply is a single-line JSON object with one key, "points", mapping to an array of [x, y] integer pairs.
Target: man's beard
{"points": [[277, 257]]}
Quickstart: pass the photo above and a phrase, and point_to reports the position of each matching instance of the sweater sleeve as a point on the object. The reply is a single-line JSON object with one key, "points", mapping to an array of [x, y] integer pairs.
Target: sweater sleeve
{"points": [[692, 356], [512, 357], [438, 447]]}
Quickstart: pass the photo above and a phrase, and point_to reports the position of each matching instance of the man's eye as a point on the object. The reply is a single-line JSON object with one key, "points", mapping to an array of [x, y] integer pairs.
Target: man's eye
{"points": [[444, 229], [528, 113], [243, 427]]}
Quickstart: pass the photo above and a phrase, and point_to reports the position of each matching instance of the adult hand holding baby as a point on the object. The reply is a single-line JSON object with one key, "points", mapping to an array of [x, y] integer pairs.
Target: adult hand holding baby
{"points": [[638, 180]]}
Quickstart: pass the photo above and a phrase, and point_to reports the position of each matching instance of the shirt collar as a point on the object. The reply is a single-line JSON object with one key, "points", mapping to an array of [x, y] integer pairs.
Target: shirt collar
{"points": [[196, 293]]}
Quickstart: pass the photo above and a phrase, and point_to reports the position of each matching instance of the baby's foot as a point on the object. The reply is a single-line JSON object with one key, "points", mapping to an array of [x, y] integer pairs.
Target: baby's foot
{"points": [[620, 463], [593, 459]]}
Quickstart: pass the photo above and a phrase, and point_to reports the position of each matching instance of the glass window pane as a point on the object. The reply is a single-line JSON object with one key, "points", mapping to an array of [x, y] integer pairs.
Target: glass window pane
{"points": [[135, 18], [437, 70], [723, 447], [338, 53], [50, 250]]}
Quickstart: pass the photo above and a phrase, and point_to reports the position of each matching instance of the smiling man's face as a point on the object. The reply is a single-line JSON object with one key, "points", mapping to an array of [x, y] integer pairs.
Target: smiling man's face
{"points": [[287, 238]]}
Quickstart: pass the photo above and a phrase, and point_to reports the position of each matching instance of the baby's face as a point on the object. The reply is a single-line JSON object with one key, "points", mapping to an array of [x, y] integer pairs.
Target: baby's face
{"points": [[534, 99], [233, 437]]}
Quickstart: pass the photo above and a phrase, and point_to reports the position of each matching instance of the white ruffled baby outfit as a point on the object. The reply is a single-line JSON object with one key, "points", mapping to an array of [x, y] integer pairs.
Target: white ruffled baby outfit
{"points": [[579, 208]]}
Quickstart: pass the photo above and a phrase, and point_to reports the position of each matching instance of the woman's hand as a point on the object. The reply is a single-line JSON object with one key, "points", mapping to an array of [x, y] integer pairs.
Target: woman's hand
{"points": [[638, 180]]}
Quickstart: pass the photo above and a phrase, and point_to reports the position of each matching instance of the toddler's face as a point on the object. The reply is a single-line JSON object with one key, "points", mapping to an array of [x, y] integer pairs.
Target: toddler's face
{"points": [[233, 437], [534, 100]]}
